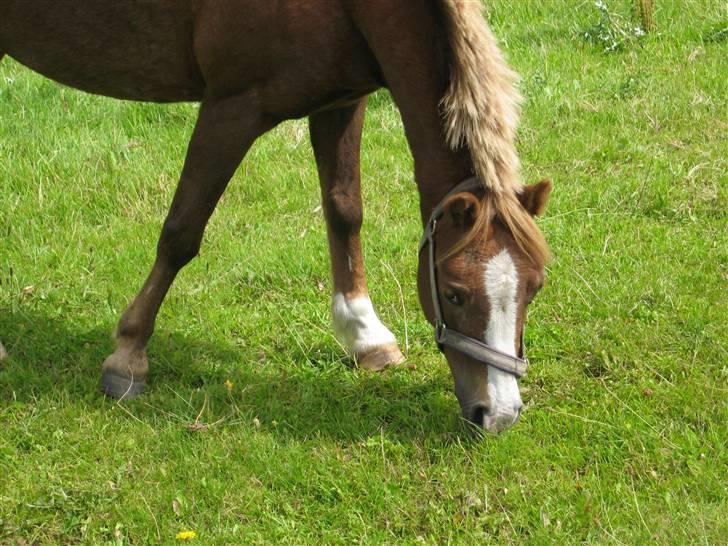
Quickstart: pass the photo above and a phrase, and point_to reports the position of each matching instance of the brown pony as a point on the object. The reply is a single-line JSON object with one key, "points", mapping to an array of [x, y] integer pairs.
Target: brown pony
{"points": [[255, 64]]}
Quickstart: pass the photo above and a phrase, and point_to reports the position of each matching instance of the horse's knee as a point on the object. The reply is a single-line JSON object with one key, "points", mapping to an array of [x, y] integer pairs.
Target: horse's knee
{"points": [[343, 210], [178, 243]]}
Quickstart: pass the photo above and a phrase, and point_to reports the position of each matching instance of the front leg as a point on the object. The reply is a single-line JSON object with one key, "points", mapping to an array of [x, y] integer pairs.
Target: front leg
{"points": [[224, 131], [336, 139]]}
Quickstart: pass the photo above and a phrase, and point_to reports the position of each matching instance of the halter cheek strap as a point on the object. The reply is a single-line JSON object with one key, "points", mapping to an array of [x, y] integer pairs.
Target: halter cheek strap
{"points": [[447, 337]]}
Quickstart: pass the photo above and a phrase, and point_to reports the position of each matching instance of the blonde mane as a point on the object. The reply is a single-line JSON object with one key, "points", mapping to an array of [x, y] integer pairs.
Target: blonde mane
{"points": [[481, 109]]}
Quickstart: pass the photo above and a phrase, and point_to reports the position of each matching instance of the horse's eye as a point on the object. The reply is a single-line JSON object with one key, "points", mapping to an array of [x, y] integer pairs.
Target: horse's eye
{"points": [[454, 298]]}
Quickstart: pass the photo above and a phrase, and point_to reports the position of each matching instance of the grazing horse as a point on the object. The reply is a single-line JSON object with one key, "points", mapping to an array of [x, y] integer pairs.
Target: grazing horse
{"points": [[253, 65]]}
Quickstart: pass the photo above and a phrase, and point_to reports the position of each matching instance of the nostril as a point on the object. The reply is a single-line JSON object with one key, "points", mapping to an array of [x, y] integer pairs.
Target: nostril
{"points": [[477, 416]]}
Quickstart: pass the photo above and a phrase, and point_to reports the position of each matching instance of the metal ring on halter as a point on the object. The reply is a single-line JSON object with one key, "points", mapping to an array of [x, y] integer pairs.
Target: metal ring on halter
{"points": [[447, 337], [440, 332]]}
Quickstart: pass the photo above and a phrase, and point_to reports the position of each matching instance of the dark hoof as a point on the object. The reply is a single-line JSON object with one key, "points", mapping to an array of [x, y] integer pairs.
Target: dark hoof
{"points": [[120, 387]]}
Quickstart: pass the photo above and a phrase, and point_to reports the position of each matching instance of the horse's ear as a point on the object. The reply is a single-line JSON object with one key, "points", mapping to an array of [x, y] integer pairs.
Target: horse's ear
{"points": [[534, 197], [463, 208]]}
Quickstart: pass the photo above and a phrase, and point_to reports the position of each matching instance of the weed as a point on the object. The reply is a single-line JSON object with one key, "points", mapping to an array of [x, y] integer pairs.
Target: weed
{"points": [[612, 32]]}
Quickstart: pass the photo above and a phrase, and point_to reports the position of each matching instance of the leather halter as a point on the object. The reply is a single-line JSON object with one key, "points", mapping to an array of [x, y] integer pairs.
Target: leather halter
{"points": [[447, 337]]}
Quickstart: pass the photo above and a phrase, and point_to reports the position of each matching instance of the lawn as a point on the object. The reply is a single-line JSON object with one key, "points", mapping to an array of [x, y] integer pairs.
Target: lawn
{"points": [[255, 428]]}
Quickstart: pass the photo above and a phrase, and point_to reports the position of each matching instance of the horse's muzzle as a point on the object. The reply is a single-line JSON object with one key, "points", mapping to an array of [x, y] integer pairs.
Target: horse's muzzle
{"points": [[492, 421]]}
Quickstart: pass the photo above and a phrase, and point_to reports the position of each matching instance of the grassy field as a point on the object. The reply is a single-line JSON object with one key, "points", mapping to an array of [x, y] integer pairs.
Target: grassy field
{"points": [[256, 429]]}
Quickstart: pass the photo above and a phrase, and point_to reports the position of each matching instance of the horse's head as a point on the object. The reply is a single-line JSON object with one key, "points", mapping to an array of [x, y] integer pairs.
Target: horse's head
{"points": [[487, 264]]}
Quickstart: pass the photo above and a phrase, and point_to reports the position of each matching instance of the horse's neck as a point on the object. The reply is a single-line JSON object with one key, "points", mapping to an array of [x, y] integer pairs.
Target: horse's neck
{"points": [[438, 168], [410, 46], [438, 173]]}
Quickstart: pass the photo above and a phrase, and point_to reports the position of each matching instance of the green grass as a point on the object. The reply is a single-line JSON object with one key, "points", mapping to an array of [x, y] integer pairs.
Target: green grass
{"points": [[624, 437]]}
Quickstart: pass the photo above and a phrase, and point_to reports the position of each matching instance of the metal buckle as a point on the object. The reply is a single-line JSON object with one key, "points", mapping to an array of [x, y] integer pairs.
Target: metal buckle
{"points": [[440, 332]]}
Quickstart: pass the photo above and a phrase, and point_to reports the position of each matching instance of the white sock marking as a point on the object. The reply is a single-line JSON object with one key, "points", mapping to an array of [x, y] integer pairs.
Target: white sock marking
{"points": [[501, 286], [357, 326]]}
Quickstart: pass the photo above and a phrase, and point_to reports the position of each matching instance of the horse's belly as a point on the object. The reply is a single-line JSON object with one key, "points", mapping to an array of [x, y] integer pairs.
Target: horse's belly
{"points": [[299, 56], [130, 49]]}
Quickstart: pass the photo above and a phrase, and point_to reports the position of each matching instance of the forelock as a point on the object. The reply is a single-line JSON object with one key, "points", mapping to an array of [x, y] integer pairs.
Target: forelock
{"points": [[509, 211]]}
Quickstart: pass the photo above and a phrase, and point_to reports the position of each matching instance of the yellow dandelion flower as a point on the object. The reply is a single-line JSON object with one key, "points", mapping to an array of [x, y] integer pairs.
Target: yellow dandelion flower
{"points": [[186, 535], [229, 384]]}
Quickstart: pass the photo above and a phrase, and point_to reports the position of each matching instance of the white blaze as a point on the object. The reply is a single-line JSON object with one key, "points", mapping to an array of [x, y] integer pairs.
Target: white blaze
{"points": [[501, 287], [357, 326]]}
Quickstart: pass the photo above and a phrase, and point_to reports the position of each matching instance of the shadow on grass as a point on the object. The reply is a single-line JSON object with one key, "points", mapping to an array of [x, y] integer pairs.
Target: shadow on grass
{"points": [[289, 393]]}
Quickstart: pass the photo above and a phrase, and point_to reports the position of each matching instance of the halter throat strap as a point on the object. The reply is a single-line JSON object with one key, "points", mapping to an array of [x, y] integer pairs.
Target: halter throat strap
{"points": [[447, 337]]}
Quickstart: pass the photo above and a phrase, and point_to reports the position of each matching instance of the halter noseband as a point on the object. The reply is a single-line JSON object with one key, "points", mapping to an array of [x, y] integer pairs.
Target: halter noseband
{"points": [[447, 337]]}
